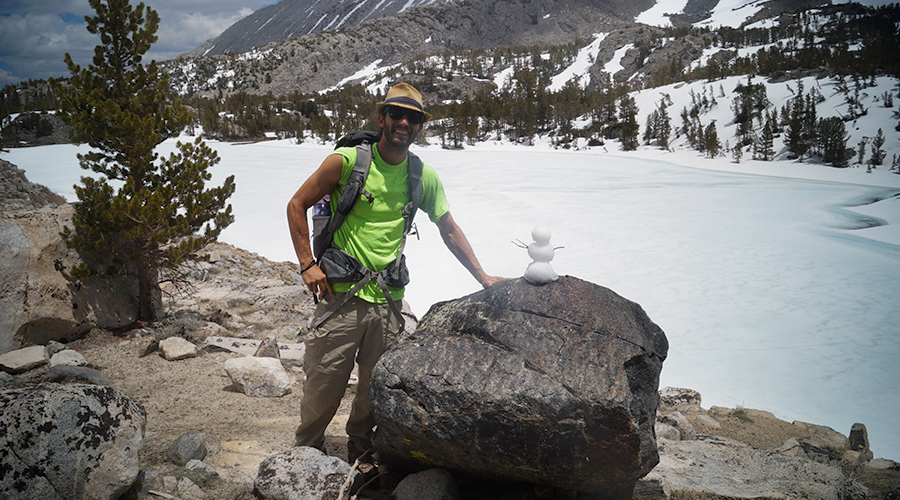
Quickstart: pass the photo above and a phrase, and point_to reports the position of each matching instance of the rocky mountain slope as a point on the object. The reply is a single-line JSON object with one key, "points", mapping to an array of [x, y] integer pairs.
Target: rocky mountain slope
{"points": [[290, 18], [269, 51], [311, 63]]}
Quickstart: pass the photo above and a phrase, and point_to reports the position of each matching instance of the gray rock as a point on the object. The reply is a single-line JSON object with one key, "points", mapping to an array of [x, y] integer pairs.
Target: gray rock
{"points": [[189, 446], [431, 484], [65, 373], [207, 473], [301, 473], [859, 437], [555, 385], [22, 360], [714, 467], [680, 422], [67, 357], [68, 442], [673, 397], [54, 347], [258, 377], [667, 432]]}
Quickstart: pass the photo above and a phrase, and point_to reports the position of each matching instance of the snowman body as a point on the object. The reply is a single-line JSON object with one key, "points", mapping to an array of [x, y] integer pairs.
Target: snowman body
{"points": [[540, 272]]}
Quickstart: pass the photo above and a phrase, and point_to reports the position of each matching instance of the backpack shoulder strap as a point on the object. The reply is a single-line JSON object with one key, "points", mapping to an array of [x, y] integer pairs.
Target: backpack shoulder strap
{"points": [[414, 173], [352, 190]]}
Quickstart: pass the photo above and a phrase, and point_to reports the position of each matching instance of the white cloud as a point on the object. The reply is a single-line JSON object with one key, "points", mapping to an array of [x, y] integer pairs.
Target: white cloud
{"points": [[34, 36]]}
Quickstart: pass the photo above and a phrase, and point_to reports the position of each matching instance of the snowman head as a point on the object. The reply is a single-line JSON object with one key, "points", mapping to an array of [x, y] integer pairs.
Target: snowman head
{"points": [[541, 235]]}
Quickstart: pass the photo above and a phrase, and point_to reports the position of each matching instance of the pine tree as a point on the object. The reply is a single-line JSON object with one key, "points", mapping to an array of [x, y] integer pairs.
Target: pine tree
{"points": [[120, 107], [878, 154], [833, 141], [629, 129]]}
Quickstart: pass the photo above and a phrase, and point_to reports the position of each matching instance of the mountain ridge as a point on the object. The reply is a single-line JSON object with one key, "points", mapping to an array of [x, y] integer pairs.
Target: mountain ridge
{"points": [[290, 18]]}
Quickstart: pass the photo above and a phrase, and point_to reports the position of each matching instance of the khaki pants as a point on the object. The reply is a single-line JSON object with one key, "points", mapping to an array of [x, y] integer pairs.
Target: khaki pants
{"points": [[358, 332]]}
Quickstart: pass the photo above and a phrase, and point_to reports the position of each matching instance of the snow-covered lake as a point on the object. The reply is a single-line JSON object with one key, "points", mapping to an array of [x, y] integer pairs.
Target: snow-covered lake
{"points": [[770, 292]]}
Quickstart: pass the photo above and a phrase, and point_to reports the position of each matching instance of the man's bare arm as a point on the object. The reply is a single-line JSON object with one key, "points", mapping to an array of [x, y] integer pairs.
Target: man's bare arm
{"points": [[318, 185], [459, 246]]}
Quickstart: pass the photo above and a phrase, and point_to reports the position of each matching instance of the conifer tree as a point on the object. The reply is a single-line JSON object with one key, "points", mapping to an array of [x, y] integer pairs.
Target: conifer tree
{"points": [[832, 138], [629, 127], [161, 213], [878, 153]]}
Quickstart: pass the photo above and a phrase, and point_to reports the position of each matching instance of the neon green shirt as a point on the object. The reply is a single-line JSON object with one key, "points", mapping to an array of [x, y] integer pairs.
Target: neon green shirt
{"points": [[372, 232]]}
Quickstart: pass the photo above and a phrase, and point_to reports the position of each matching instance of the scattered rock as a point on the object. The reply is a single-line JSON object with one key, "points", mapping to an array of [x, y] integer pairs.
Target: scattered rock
{"points": [[431, 484], [713, 467], [674, 397], [259, 377], [22, 360], [268, 348], [207, 473], [189, 446], [680, 422], [68, 442], [83, 374], [300, 473], [290, 354], [175, 348], [67, 357], [555, 385]]}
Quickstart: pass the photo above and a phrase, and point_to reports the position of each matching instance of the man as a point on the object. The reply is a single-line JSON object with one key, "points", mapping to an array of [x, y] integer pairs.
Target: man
{"points": [[364, 326]]}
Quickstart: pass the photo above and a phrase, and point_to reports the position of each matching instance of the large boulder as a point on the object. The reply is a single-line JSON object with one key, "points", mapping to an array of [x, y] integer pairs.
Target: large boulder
{"points": [[553, 384], [68, 442], [38, 300]]}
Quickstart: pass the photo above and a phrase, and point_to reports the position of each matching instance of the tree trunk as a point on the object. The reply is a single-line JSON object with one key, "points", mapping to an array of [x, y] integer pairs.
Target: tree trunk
{"points": [[149, 293]]}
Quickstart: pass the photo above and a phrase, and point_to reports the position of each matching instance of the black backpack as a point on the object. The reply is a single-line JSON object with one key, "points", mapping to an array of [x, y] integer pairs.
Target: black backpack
{"points": [[341, 267]]}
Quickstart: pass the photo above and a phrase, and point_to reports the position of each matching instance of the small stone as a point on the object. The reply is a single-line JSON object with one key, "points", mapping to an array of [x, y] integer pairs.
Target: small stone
{"points": [[22, 360], [431, 484], [859, 437], [268, 348], [207, 473], [68, 357], [176, 348], [188, 446], [673, 397], [259, 377]]}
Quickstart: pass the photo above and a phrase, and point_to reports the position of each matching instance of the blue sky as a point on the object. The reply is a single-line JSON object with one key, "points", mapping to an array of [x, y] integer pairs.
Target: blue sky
{"points": [[35, 35]]}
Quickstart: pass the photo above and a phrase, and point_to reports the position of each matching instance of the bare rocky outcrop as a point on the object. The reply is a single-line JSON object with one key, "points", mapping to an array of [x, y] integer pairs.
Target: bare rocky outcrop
{"points": [[17, 192], [38, 300]]}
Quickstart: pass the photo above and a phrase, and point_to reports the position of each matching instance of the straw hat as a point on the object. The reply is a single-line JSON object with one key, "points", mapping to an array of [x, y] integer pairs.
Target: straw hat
{"points": [[406, 96]]}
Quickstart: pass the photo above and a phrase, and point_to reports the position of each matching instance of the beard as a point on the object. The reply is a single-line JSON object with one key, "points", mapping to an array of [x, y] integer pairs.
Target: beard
{"points": [[400, 136]]}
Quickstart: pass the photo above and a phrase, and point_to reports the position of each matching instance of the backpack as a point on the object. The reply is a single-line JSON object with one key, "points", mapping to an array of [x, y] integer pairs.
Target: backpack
{"points": [[341, 267]]}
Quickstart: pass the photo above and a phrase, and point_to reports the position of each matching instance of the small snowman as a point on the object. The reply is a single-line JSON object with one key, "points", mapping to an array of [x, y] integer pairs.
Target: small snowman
{"points": [[539, 272]]}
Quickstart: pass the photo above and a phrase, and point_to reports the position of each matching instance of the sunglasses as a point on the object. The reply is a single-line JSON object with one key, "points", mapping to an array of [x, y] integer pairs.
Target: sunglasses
{"points": [[397, 114]]}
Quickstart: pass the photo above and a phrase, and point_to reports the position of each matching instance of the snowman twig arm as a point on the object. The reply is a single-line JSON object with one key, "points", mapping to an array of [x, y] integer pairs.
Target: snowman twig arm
{"points": [[459, 246]]}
